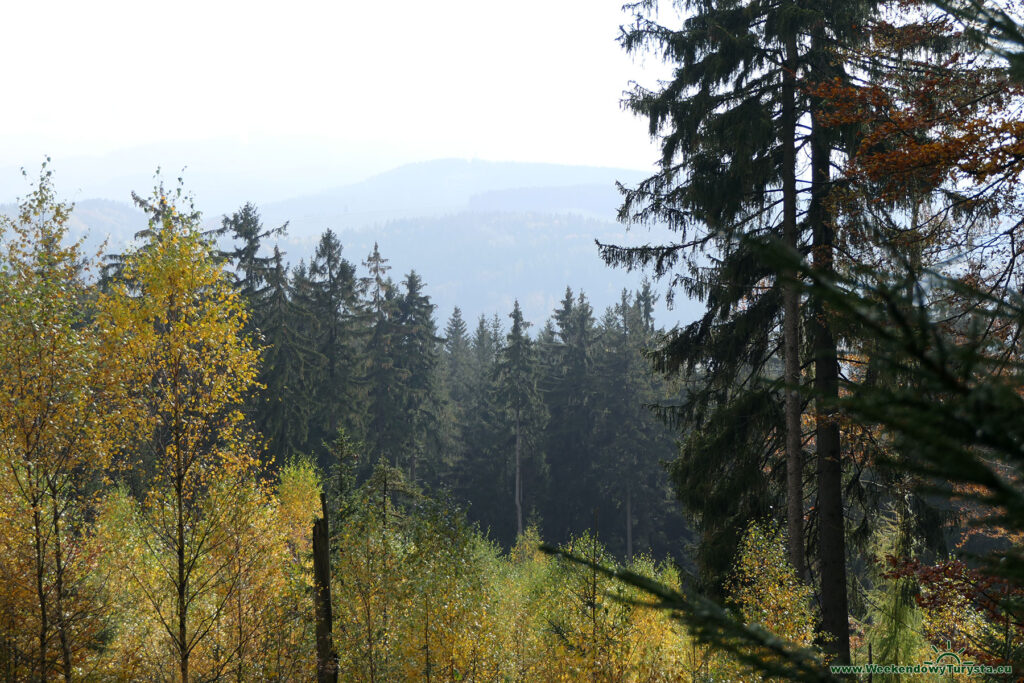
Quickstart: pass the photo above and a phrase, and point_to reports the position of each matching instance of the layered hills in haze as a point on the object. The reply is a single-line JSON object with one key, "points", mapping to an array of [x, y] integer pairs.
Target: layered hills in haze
{"points": [[481, 234]]}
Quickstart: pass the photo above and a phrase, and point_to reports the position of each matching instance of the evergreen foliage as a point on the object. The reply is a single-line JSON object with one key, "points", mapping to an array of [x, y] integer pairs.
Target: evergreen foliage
{"points": [[521, 413], [331, 288], [283, 412], [252, 267]]}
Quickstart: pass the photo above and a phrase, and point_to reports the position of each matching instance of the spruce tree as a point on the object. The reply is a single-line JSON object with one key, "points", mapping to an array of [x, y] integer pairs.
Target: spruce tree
{"points": [[568, 383], [306, 326], [631, 442], [383, 378], [332, 294], [417, 356], [522, 409], [283, 414], [719, 116], [732, 124], [251, 269], [457, 358], [478, 476], [456, 374]]}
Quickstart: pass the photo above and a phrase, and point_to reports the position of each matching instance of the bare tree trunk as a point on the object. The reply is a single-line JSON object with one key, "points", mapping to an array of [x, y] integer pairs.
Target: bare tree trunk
{"points": [[385, 548], [791, 322], [831, 526], [326, 656], [629, 521], [519, 479]]}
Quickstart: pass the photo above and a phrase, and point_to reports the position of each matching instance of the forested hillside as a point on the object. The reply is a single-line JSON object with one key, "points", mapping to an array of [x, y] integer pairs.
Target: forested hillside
{"points": [[474, 409], [219, 461]]}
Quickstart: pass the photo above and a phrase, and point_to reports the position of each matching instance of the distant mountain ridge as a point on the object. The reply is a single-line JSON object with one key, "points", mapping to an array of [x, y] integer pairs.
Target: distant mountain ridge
{"points": [[480, 233], [594, 201], [449, 185]]}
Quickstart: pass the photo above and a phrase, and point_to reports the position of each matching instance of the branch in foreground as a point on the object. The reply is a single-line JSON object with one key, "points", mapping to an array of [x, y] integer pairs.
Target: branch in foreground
{"points": [[710, 624]]}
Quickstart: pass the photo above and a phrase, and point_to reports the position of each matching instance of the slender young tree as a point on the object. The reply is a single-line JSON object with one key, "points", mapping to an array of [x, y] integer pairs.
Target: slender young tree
{"points": [[181, 327], [60, 403]]}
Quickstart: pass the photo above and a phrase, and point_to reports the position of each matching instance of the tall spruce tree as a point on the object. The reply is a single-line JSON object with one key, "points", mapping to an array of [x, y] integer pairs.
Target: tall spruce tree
{"points": [[417, 356], [568, 382], [456, 380], [478, 478], [383, 377], [719, 115], [630, 439], [732, 124], [252, 270], [283, 414], [305, 325], [522, 409], [332, 295]]}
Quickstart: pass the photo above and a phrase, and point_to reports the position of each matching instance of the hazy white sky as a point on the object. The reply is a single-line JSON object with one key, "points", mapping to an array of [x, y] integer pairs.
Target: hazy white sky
{"points": [[533, 80]]}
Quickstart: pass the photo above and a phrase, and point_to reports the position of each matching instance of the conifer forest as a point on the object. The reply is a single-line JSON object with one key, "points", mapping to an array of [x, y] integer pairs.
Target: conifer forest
{"points": [[219, 462]]}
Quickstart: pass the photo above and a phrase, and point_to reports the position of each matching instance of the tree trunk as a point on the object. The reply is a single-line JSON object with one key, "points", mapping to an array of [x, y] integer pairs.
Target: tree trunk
{"points": [[182, 584], [326, 657], [791, 322], [426, 636], [629, 521], [239, 615], [44, 623], [519, 479], [58, 566], [831, 527]]}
